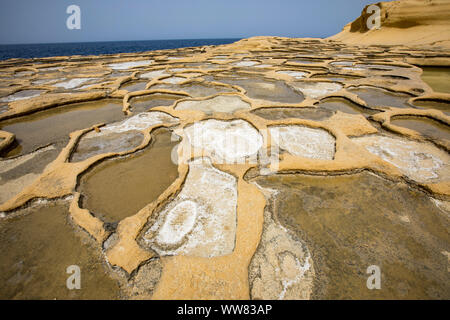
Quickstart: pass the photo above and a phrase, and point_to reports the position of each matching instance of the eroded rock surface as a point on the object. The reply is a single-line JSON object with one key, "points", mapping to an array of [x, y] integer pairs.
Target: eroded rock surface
{"points": [[177, 166]]}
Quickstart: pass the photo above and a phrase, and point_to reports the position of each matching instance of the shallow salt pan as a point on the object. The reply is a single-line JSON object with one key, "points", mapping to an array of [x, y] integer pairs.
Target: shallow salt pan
{"points": [[201, 220], [342, 63], [281, 268], [73, 83], [294, 74], [228, 104], [353, 69], [42, 81], [316, 90], [153, 74], [130, 64], [226, 141], [139, 122], [180, 220], [263, 66], [421, 162], [245, 63], [21, 95], [304, 142], [177, 69], [92, 144], [174, 80]]}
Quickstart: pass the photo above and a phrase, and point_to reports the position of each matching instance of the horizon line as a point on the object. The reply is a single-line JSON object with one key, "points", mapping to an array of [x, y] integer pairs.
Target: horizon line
{"points": [[12, 44]]}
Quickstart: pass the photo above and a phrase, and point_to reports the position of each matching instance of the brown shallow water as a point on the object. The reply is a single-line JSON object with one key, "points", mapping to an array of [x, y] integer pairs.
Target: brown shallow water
{"points": [[350, 222], [134, 85], [118, 188], [434, 104], [37, 246], [144, 103], [343, 105], [283, 113], [260, 88], [379, 97], [427, 127], [195, 89], [54, 125], [438, 78]]}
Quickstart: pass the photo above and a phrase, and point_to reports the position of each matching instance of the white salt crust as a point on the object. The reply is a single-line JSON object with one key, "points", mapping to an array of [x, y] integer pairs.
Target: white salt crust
{"points": [[153, 74], [245, 63], [21, 95], [73, 83], [225, 141], [304, 142], [201, 220], [294, 74], [317, 90], [421, 162], [130, 64], [228, 104], [139, 122], [174, 80]]}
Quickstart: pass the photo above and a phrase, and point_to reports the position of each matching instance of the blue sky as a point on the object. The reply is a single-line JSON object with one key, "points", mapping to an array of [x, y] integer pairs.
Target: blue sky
{"points": [[44, 21]]}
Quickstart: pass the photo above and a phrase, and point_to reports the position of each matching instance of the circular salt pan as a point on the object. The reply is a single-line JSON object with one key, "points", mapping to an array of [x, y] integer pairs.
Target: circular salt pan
{"points": [[421, 162], [304, 142], [179, 221], [201, 220], [227, 104], [226, 141]]}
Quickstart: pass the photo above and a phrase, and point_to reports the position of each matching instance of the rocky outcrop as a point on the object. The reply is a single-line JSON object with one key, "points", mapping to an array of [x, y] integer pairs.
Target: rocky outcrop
{"points": [[404, 22]]}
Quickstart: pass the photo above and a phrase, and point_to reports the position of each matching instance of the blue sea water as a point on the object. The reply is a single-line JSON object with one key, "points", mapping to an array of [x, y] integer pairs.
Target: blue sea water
{"points": [[96, 48]]}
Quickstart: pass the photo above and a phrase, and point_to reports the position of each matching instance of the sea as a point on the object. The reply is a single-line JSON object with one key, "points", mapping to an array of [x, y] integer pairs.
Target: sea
{"points": [[95, 48]]}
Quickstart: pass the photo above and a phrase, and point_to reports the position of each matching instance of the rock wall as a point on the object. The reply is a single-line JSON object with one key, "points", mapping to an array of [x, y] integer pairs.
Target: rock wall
{"points": [[404, 22]]}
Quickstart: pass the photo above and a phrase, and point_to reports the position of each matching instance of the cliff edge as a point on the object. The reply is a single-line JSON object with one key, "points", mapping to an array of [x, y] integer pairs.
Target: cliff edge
{"points": [[404, 22]]}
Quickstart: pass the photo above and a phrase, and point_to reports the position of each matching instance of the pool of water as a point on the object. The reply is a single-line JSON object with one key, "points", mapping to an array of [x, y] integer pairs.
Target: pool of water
{"points": [[343, 105], [351, 222], [37, 247], [259, 88], [379, 97], [426, 126], [147, 102], [195, 89], [134, 86], [438, 78], [303, 113], [120, 187], [54, 125], [444, 106]]}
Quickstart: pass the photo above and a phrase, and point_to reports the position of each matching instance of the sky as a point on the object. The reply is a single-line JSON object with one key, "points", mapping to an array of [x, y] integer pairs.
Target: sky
{"points": [[44, 21]]}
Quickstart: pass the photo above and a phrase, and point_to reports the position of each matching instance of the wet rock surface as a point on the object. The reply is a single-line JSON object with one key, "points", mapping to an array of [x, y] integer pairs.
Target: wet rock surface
{"points": [[351, 222], [118, 188], [38, 245]]}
